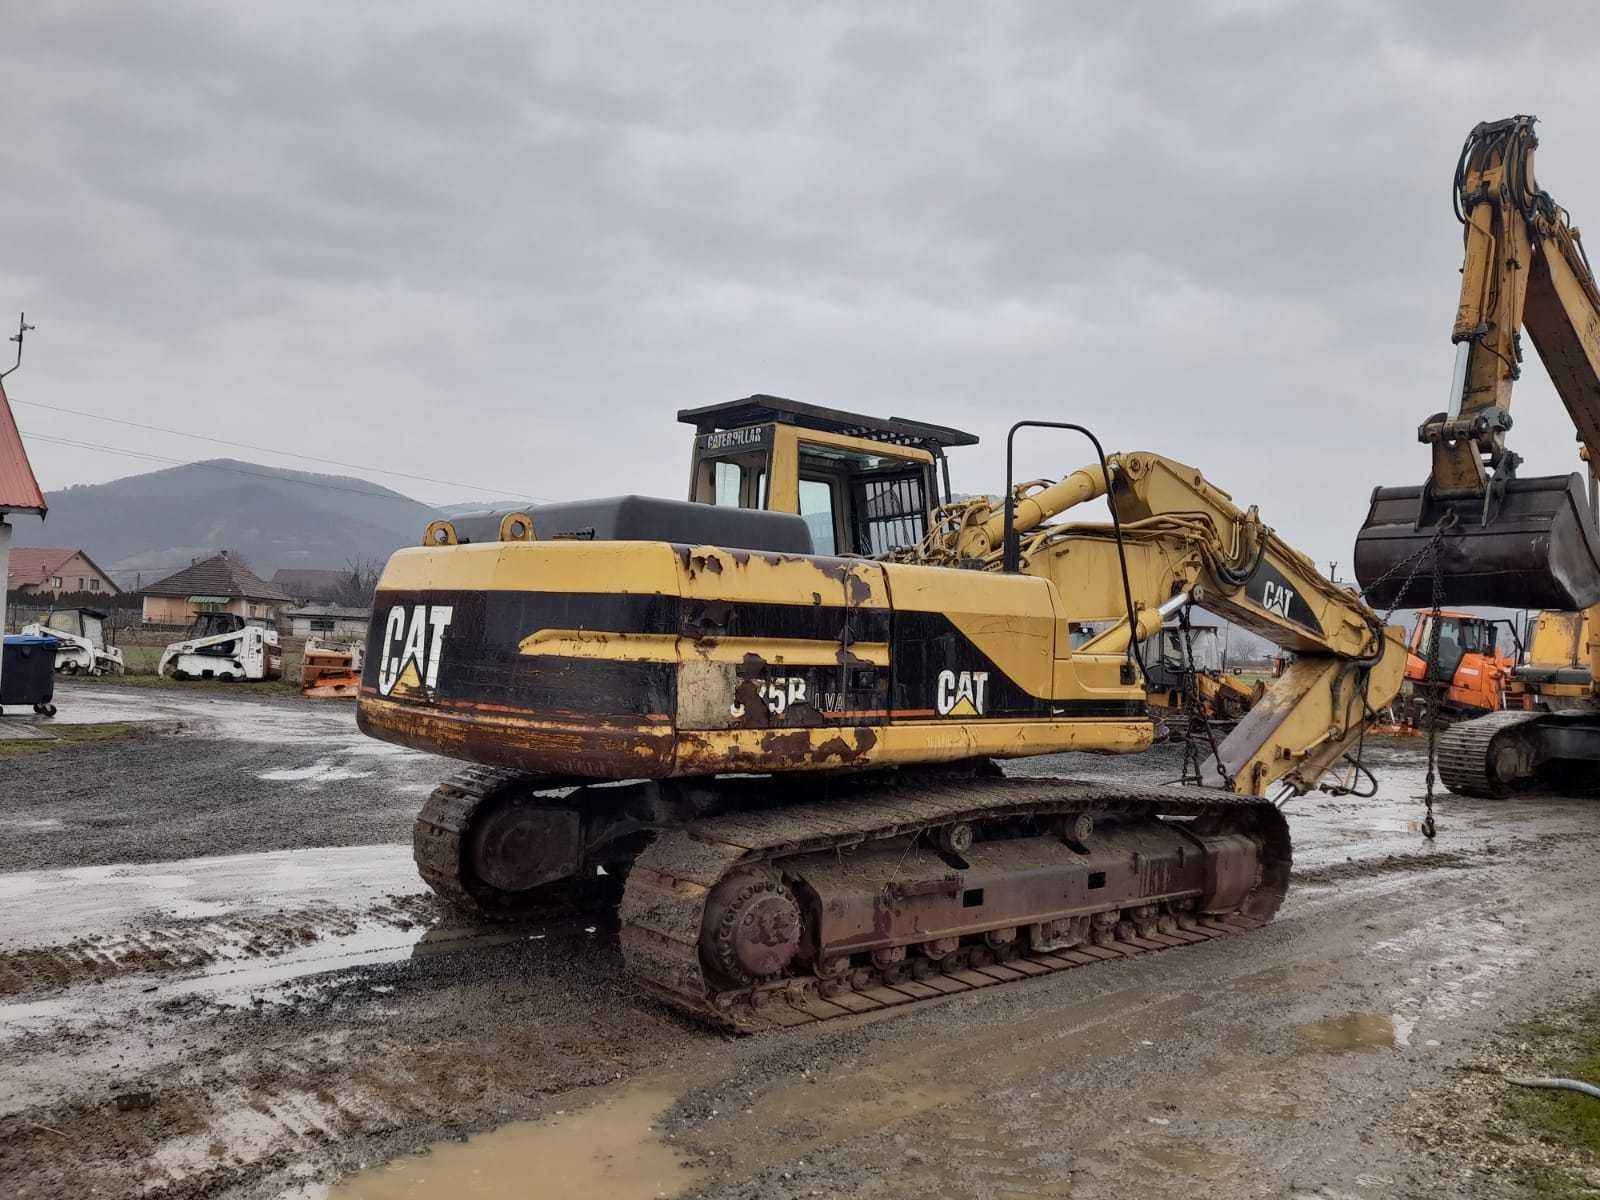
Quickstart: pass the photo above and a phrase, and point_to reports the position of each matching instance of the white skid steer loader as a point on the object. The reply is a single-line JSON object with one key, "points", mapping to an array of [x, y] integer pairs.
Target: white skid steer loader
{"points": [[223, 646], [80, 635]]}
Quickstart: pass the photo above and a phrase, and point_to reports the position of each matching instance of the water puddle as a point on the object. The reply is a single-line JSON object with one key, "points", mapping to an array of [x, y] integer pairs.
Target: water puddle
{"points": [[1350, 1033], [609, 1152], [322, 771]]}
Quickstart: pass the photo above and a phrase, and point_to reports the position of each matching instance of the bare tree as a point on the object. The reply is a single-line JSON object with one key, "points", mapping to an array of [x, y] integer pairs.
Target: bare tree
{"points": [[356, 589]]}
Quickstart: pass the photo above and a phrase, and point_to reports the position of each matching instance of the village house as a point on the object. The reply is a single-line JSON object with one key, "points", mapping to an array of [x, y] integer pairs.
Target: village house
{"points": [[327, 621], [220, 583], [51, 571]]}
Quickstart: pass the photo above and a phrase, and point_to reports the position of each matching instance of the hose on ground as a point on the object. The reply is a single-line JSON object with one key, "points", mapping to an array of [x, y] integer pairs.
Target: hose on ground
{"points": [[1569, 1085]]}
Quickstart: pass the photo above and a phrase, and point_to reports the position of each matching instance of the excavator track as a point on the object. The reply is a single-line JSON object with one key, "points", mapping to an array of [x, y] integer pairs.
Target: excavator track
{"points": [[439, 845], [1469, 759], [709, 905]]}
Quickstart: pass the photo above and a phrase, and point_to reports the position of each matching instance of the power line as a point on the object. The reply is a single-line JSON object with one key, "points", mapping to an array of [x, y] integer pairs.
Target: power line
{"points": [[213, 466], [334, 462]]}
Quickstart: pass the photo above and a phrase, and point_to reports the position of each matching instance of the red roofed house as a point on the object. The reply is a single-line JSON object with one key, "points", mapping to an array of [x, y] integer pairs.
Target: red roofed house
{"points": [[19, 490], [221, 583], [50, 572]]}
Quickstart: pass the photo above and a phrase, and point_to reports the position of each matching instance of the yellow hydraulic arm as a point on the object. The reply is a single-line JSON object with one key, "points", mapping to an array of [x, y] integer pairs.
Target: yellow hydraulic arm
{"points": [[1486, 534], [1184, 540], [1523, 266]]}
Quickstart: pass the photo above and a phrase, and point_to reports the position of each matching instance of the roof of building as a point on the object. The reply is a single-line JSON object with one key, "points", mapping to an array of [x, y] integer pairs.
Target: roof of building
{"points": [[219, 575], [32, 565], [761, 410], [308, 579], [19, 490], [337, 611]]}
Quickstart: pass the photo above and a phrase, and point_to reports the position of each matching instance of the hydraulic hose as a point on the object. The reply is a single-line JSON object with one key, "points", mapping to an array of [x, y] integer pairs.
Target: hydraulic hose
{"points": [[1569, 1085]]}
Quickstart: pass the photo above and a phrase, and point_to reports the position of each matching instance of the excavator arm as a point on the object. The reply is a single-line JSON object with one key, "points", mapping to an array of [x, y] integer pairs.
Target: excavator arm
{"points": [[1500, 539], [1183, 540]]}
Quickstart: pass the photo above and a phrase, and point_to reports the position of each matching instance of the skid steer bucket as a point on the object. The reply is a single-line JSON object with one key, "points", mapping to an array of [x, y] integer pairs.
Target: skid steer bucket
{"points": [[1534, 548]]}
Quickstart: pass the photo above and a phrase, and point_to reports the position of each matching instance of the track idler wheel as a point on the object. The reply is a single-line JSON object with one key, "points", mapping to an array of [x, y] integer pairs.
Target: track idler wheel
{"points": [[752, 928], [517, 846]]}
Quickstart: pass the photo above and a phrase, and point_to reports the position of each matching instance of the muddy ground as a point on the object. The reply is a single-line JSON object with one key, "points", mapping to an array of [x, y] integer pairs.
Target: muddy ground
{"points": [[220, 977]]}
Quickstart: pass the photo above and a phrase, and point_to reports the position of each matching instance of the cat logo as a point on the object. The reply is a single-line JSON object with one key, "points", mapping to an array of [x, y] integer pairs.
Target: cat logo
{"points": [[962, 693], [1276, 597], [413, 639]]}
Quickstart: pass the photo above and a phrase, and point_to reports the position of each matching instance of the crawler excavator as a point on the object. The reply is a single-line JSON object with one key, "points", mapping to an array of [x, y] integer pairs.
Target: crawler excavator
{"points": [[1476, 532], [766, 720]]}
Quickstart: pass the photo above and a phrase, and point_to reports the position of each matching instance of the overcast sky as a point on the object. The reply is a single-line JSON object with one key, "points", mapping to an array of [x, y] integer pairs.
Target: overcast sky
{"points": [[501, 245]]}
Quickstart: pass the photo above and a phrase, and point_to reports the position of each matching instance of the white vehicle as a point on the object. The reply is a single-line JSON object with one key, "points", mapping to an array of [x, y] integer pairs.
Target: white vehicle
{"points": [[80, 635], [223, 646]]}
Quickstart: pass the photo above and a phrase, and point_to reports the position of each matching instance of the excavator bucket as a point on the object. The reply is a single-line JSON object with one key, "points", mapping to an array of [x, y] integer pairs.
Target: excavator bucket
{"points": [[1532, 546]]}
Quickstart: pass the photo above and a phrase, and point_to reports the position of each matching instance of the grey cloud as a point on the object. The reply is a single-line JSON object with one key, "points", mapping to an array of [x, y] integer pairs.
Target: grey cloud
{"points": [[502, 243]]}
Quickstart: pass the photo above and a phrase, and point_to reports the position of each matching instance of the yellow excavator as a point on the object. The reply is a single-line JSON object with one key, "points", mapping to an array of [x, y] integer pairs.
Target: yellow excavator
{"points": [[1476, 532], [767, 719]]}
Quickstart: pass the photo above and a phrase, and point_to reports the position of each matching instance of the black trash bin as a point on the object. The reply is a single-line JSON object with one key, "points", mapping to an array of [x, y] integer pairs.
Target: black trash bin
{"points": [[28, 673]]}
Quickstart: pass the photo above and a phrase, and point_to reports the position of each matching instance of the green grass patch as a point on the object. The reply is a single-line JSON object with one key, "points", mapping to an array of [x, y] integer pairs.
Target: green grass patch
{"points": [[1568, 1121], [64, 737]]}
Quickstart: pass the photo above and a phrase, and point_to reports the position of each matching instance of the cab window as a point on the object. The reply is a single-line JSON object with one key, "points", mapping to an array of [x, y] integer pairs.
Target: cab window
{"points": [[726, 481], [877, 503], [816, 507]]}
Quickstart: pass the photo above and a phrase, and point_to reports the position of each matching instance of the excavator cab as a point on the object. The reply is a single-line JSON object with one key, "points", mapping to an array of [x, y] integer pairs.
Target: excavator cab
{"points": [[767, 474], [863, 485]]}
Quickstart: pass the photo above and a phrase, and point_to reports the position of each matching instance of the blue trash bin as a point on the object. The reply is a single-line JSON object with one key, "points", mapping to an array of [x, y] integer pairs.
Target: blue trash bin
{"points": [[28, 673]]}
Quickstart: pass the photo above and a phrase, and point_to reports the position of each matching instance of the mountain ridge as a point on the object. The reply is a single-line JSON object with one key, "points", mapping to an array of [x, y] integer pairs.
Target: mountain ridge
{"points": [[143, 527]]}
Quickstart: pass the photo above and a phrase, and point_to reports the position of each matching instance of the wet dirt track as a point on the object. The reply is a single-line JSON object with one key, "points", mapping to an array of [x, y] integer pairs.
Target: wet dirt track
{"points": [[220, 977]]}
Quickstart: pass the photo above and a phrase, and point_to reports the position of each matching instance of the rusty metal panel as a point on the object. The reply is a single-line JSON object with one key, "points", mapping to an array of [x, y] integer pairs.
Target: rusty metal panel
{"points": [[893, 894], [19, 490]]}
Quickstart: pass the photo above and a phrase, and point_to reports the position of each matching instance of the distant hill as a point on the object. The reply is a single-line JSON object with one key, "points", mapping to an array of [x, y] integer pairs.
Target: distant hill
{"points": [[146, 526]]}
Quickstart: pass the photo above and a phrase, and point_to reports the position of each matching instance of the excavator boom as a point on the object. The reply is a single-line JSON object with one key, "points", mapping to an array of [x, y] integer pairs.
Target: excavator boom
{"points": [[1501, 539]]}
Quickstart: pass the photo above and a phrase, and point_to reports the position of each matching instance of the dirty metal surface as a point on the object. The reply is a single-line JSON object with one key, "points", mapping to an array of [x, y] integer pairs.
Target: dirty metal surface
{"points": [[1528, 545], [665, 904]]}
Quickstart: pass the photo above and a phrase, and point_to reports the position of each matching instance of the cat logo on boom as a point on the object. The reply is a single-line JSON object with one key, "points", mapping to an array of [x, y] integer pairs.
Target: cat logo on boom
{"points": [[1277, 597], [962, 693], [413, 638]]}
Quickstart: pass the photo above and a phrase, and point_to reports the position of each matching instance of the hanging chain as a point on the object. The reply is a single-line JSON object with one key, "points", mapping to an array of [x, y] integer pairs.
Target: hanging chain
{"points": [[1435, 688], [1197, 726], [1431, 551]]}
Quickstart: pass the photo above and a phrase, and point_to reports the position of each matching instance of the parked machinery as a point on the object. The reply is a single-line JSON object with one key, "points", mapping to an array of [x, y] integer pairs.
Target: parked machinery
{"points": [[330, 670], [785, 758], [80, 635], [1475, 532], [1468, 672], [1553, 672], [1186, 678], [222, 645]]}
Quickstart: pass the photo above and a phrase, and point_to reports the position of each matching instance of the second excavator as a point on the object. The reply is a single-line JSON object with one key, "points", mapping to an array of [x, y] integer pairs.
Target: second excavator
{"points": [[1476, 532], [768, 719]]}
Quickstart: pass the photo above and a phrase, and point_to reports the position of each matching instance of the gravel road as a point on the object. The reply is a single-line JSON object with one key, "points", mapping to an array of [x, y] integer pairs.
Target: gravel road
{"points": [[220, 977]]}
